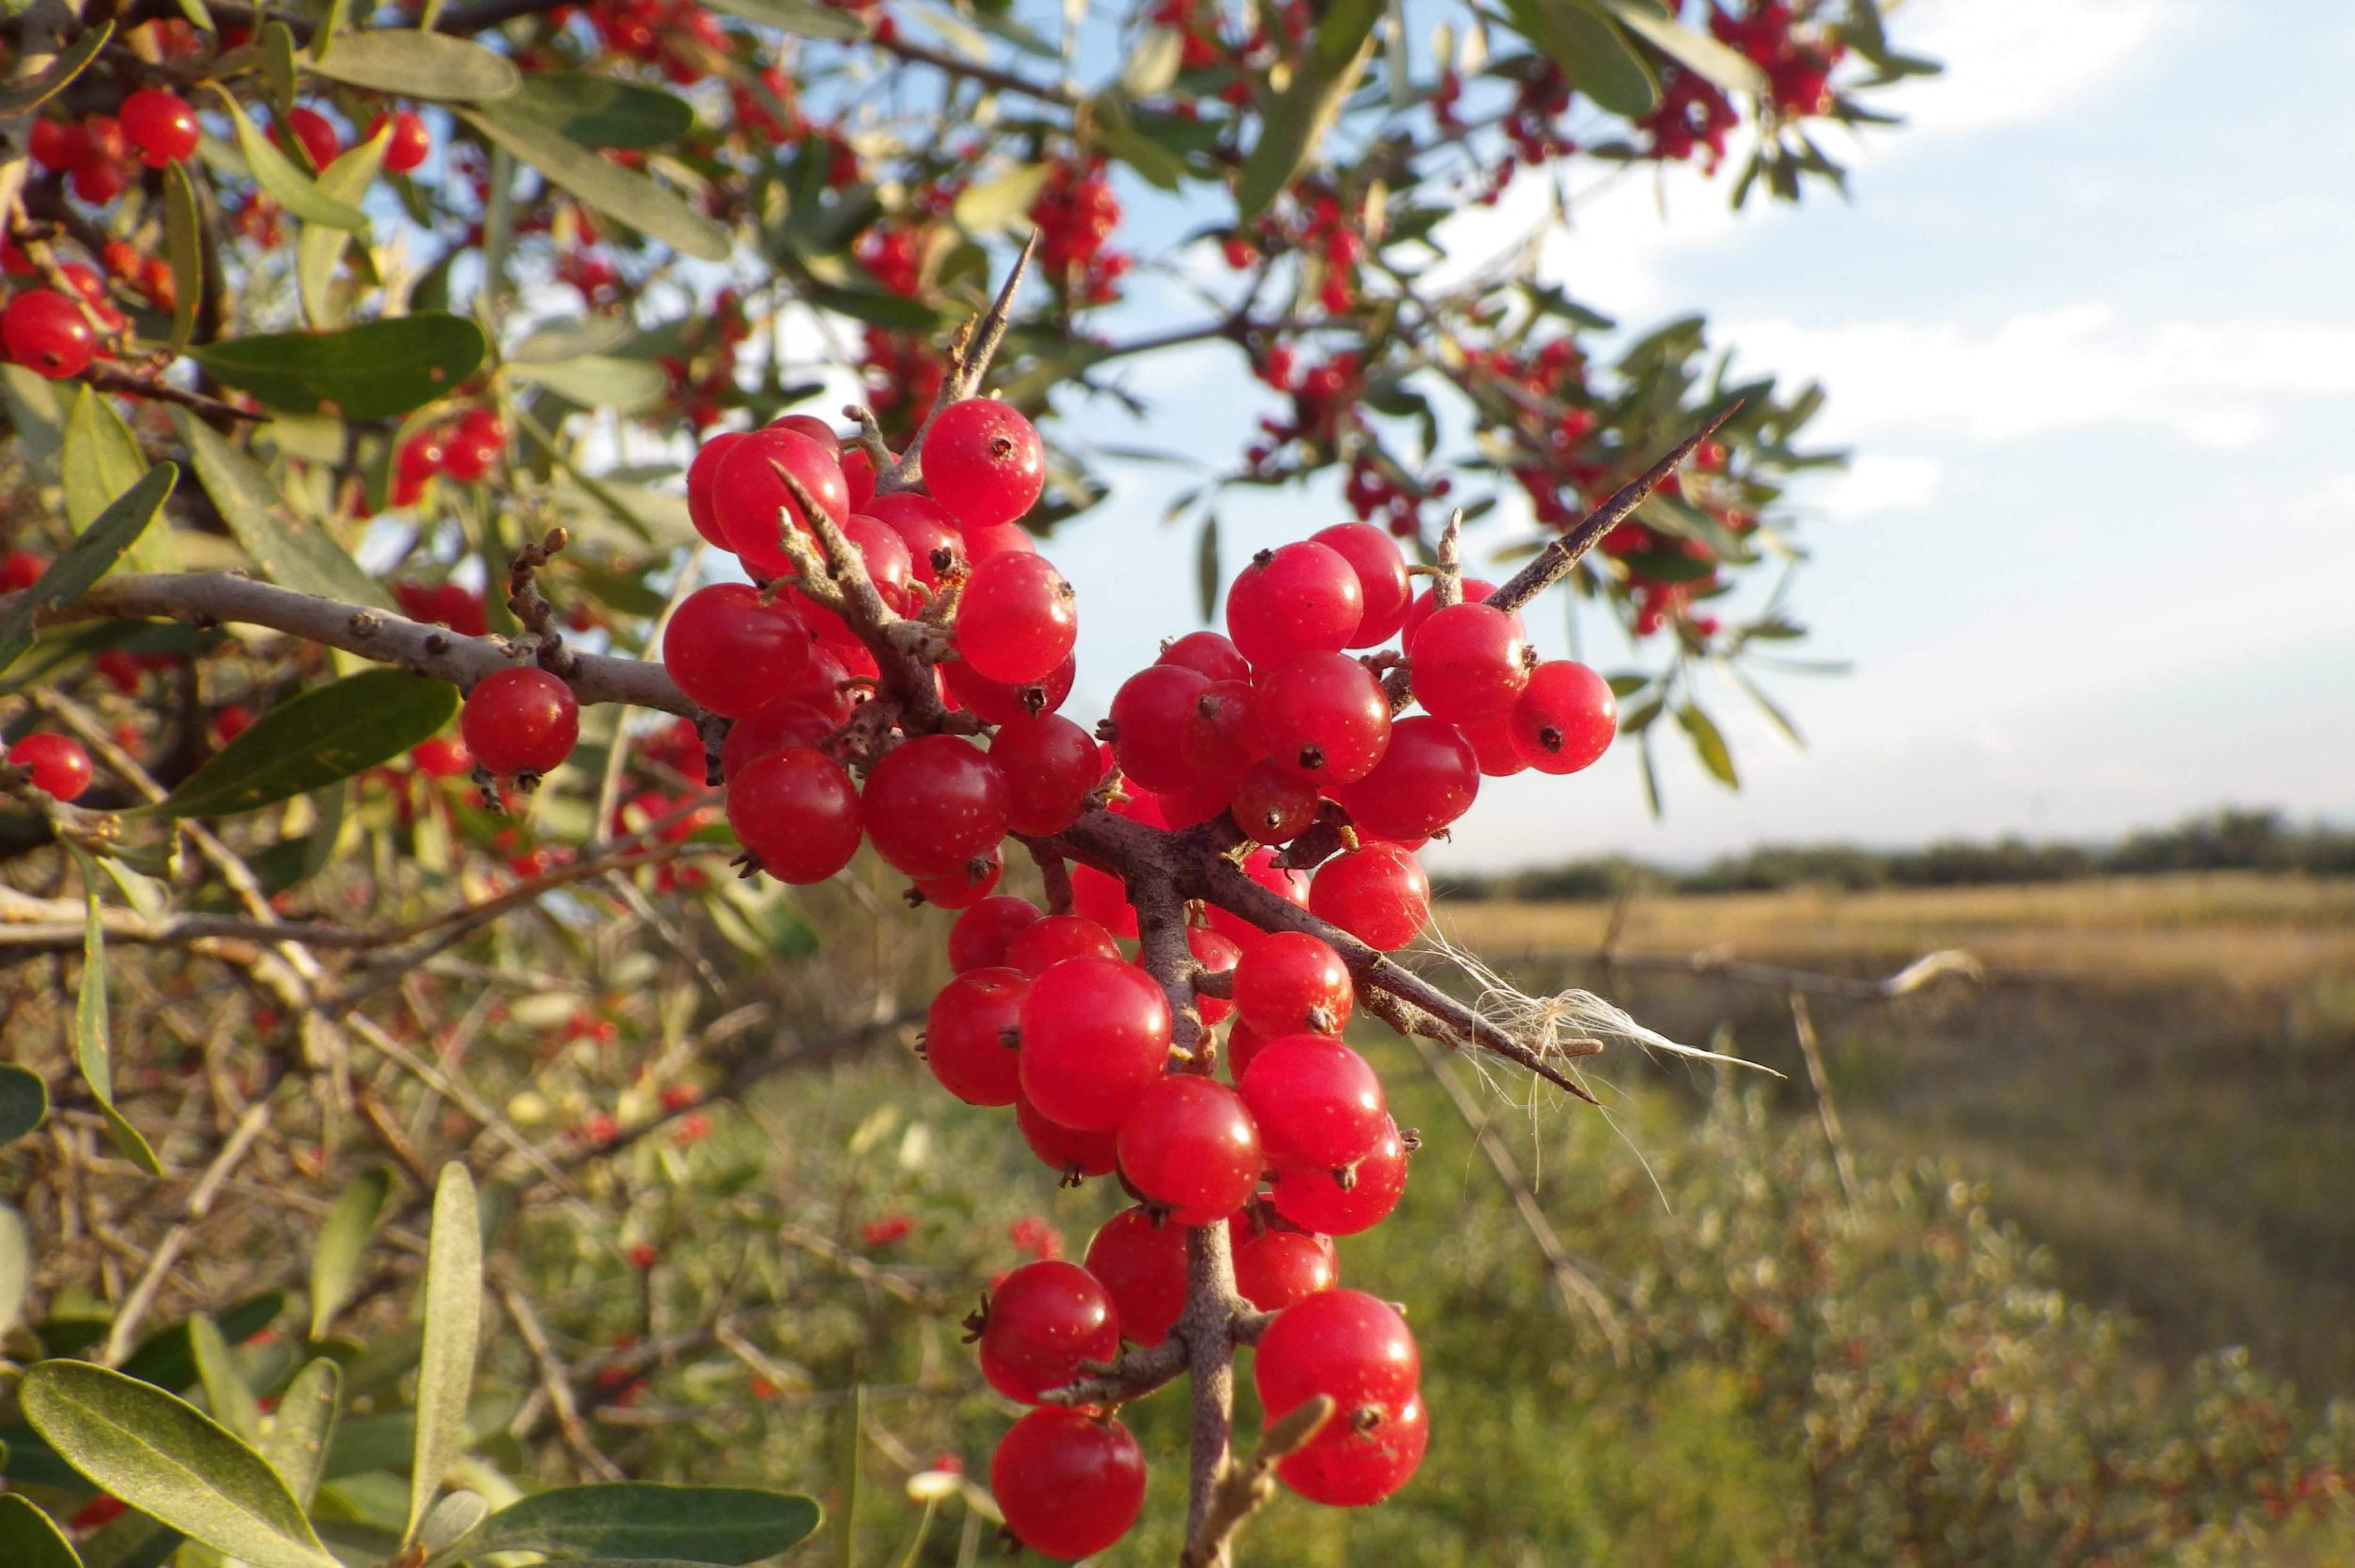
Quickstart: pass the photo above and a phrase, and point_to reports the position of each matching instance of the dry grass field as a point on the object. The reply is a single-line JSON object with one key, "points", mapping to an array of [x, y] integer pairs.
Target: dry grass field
{"points": [[2156, 1077]]}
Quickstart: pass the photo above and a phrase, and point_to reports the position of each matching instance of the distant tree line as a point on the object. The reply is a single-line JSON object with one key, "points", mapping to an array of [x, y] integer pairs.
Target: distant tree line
{"points": [[2232, 839]]}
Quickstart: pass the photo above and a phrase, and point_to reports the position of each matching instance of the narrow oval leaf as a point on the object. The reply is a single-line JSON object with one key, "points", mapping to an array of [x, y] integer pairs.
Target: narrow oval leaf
{"points": [[30, 1539], [343, 1241], [24, 97], [91, 554], [598, 380], [15, 1269], [451, 1519], [320, 247], [454, 1323], [1594, 55], [725, 1525], [165, 1458], [412, 64], [227, 1398], [93, 1032], [1697, 52], [100, 460], [165, 1357], [629, 197], [183, 247], [304, 1426], [321, 735], [289, 550], [376, 370], [23, 1103], [994, 205], [801, 18], [1709, 745], [597, 111], [288, 185], [1296, 121]]}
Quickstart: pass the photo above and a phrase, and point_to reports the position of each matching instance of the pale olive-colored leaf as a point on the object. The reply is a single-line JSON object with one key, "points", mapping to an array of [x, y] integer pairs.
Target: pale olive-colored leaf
{"points": [[598, 111], [618, 192], [277, 175], [801, 18], [1590, 50], [454, 1323], [16, 1262], [225, 1396], [292, 551], [100, 460], [452, 1518], [1152, 65], [30, 1539], [723, 1525], [343, 1243], [304, 1426], [321, 735], [598, 380], [24, 96], [1713, 62], [93, 1029], [997, 204], [184, 248], [407, 63], [1709, 745], [319, 248], [1309, 104]]}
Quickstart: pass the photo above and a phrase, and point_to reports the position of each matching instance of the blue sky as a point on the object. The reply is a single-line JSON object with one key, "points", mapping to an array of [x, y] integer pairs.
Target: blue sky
{"points": [[2087, 326]]}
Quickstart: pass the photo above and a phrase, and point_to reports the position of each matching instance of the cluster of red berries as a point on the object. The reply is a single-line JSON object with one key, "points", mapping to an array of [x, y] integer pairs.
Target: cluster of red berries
{"points": [[464, 449], [1799, 70], [1075, 215], [58, 764]]}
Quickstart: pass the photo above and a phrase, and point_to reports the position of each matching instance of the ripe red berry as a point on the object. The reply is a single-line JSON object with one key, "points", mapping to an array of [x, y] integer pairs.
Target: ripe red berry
{"points": [[1074, 1153], [1325, 717], [1050, 765], [1468, 662], [473, 445], [21, 569], [1142, 1263], [1221, 736], [316, 134], [1069, 1483], [1188, 1146], [1040, 1323], [984, 462], [1317, 1104], [980, 938], [442, 756], [813, 427], [46, 333], [702, 483], [797, 813], [96, 180], [1005, 539], [1260, 866], [58, 764], [1277, 1267], [966, 886], [933, 541], [1426, 780], [1216, 954], [1363, 1462], [993, 702], [1148, 725], [1382, 581], [160, 125], [933, 803], [1318, 1201], [778, 726], [1565, 718], [1095, 1036], [1491, 740], [1103, 897], [1274, 805], [1289, 982], [750, 503], [1210, 654], [1377, 894], [731, 654], [1476, 591], [407, 147], [1302, 597], [1047, 941], [520, 720], [1015, 620]]}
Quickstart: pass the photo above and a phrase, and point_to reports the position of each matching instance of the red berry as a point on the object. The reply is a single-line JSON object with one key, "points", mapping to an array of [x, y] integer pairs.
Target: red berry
{"points": [[1045, 942], [731, 654], [1277, 1267], [1260, 867], [1220, 739], [1069, 1483], [1289, 982], [1377, 894], [1491, 740], [1015, 620], [1216, 954], [316, 134], [1424, 781], [46, 333], [520, 720], [1317, 1104], [160, 125], [1565, 718], [859, 475], [1142, 1263], [1103, 897], [1468, 662], [1050, 765], [1005, 539], [984, 462], [1325, 717], [933, 803], [765, 731], [20, 569], [1206, 652], [1363, 1461], [980, 938], [1476, 591], [1188, 1146], [442, 756], [702, 481], [992, 703], [966, 886], [1148, 719], [1095, 1036], [58, 764], [813, 427], [750, 503], [1302, 597], [96, 180], [474, 447], [1076, 1154], [1040, 1324], [1274, 805], [925, 526], [796, 813], [408, 143], [1317, 1201], [1382, 581]]}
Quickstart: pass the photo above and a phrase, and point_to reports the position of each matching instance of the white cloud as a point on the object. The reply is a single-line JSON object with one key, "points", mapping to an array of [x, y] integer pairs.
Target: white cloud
{"points": [[1875, 482], [2011, 62]]}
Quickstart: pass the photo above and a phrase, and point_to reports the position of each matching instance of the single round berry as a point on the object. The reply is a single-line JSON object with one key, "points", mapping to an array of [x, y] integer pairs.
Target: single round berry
{"points": [[1426, 780], [966, 886], [1041, 1323], [1350, 1347], [1216, 954], [160, 125], [1377, 894], [1068, 1483], [1015, 620], [750, 502], [1277, 1267], [1221, 739], [520, 720], [1337, 1206], [797, 813], [1355, 1465], [1076, 1154], [731, 654], [933, 803], [1210, 654], [1260, 866], [442, 756], [1325, 717], [1143, 1262], [1317, 1105], [96, 180], [1469, 662], [935, 544], [473, 446], [1099, 896], [405, 150], [1095, 1036], [1047, 941], [981, 934], [59, 766], [1188, 1146], [1050, 765], [1289, 982], [1382, 581], [993, 702], [21, 569], [984, 462], [1476, 591], [778, 726], [47, 335], [813, 427], [1302, 597], [1491, 740], [1005, 539], [316, 134], [1274, 805], [1243, 1046], [1565, 718], [973, 1036], [702, 486], [1148, 725]]}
